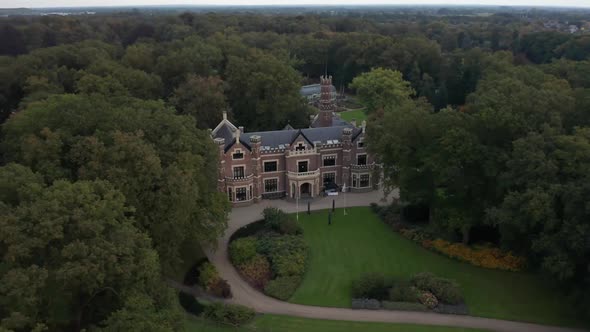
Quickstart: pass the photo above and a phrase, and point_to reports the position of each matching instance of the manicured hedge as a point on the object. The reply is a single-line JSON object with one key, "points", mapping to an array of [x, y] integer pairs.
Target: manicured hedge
{"points": [[371, 304], [407, 306], [210, 280], [230, 314], [257, 271], [403, 292]]}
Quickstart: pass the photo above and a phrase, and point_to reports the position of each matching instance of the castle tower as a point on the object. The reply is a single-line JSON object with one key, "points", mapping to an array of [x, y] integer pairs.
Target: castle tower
{"points": [[326, 102]]}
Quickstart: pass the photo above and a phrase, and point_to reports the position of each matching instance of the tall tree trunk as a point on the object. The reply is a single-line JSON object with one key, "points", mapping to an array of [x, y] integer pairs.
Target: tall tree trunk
{"points": [[466, 231]]}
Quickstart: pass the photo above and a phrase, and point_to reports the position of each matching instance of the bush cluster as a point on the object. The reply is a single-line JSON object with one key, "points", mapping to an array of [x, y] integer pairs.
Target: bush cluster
{"points": [[257, 271], [445, 290], [272, 258], [279, 221], [210, 280], [371, 286], [282, 288], [492, 258], [242, 250], [230, 314], [423, 291]]}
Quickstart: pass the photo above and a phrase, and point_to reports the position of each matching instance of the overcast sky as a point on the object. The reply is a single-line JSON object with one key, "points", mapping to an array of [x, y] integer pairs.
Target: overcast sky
{"points": [[80, 3]]}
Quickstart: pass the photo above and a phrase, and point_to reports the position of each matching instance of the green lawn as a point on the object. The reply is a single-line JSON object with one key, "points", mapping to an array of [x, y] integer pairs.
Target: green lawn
{"points": [[360, 242], [272, 323], [358, 115]]}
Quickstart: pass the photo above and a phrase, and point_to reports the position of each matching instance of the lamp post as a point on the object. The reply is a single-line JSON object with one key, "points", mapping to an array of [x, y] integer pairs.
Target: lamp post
{"points": [[297, 203], [344, 194]]}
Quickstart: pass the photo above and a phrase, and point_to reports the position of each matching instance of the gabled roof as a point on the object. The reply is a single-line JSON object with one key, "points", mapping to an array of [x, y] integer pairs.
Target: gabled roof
{"points": [[300, 133], [288, 127]]}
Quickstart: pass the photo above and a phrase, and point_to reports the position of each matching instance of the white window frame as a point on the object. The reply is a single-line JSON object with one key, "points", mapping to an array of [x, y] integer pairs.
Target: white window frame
{"points": [[233, 171], [248, 197], [264, 185], [361, 140], [359, 180]]}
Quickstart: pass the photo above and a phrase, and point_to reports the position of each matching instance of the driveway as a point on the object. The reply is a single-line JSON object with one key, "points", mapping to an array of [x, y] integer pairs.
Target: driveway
{"points": [[244, 294]]}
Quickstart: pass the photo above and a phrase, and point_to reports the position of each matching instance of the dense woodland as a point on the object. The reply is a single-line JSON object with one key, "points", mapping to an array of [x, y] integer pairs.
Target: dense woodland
{"points": [[107, 167]]}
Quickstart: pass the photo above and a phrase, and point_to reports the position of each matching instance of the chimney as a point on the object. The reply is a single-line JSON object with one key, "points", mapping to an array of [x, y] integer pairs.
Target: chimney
{"points": [[353, 122], [364, 125], [224, 115], [241, 128], [238, 136]]}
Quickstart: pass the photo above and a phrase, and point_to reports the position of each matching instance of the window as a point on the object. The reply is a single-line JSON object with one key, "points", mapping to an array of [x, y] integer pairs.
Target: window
{"points": [[300, 147], [241, 194], [271, 185], [270, 166], [361, 159], [360, 144], [250, 193], [329, 178], [329, 160], [302, 166], [239, 172], [238, 155], [230, 194], [365, 181], [354, 181]]}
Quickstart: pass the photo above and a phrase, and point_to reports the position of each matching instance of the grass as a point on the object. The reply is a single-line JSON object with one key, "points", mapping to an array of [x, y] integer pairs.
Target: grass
{"points": [[360, 243], [272, 323], [358, 115]]}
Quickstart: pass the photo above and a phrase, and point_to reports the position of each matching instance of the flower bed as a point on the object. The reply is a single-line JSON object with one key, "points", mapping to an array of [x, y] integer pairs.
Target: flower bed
{"points": [[423, 292], [491, 258], [272, 256]]}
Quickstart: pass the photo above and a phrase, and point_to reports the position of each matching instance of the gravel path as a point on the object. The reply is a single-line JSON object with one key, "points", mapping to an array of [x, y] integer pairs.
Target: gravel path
{"points": [[246, 295]]}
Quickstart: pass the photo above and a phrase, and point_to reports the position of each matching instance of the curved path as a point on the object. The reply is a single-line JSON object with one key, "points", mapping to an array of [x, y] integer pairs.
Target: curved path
{"points": [[244, 294]]}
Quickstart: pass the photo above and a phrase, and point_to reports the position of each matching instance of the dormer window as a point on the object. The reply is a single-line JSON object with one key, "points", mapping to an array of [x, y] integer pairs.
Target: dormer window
{"points": [[300, 147], [238, 154]]}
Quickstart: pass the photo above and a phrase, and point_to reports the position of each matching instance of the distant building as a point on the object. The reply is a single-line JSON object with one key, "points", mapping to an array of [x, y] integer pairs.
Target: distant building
{"points": [[312, 92], [294, 163]]}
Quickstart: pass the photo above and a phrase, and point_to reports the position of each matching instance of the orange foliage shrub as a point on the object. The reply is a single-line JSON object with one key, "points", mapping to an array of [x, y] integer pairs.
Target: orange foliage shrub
{"points": [[492, 258]]}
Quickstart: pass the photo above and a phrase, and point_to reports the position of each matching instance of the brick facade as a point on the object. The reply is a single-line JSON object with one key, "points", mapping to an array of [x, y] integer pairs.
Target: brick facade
{"points": [[293, 163]]}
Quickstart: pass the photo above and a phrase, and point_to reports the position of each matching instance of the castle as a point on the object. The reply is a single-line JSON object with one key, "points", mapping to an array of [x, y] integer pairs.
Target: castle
{"points": [[294, 163]]}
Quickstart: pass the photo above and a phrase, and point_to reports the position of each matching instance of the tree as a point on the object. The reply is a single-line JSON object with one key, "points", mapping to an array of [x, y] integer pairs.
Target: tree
{"points": [[72, 256], [264, 92], [381, 88], [164, 165], [201, 98]]}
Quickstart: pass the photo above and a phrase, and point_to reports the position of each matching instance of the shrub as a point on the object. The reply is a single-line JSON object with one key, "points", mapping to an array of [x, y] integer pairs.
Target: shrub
{"points": [[415, 234], [256, 271], [371, 304], [190, 304], [220, 288], [282, 288], [406, 306], [403, 292], [456, 309], [228, 313], [371, 285], [492, 258], [287, 254], [445, 290], [277, 220], [242, 250], [428, 299], [207, 275]]}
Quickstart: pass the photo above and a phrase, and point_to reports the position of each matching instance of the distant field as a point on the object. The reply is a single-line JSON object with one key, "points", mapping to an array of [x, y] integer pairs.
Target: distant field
{"points": [[272, 323], [358, 115], [360, 243]]}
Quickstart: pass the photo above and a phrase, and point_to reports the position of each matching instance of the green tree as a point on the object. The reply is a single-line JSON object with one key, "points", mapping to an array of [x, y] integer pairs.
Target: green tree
{"points": [[72, 256], [381, 88], [201, 98]]}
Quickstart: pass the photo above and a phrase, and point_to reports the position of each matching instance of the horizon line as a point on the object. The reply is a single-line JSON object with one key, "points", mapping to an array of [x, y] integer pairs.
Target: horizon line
{"points": [[309, 5]]}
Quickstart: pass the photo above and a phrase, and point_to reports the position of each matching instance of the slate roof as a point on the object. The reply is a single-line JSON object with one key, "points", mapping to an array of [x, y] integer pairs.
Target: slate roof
{"points": [[273, 139], [336, 121], [313, 89]]}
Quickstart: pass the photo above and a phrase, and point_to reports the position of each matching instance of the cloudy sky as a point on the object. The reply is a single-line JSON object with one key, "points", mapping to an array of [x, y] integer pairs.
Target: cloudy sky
{"points": [[78, 3]]}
